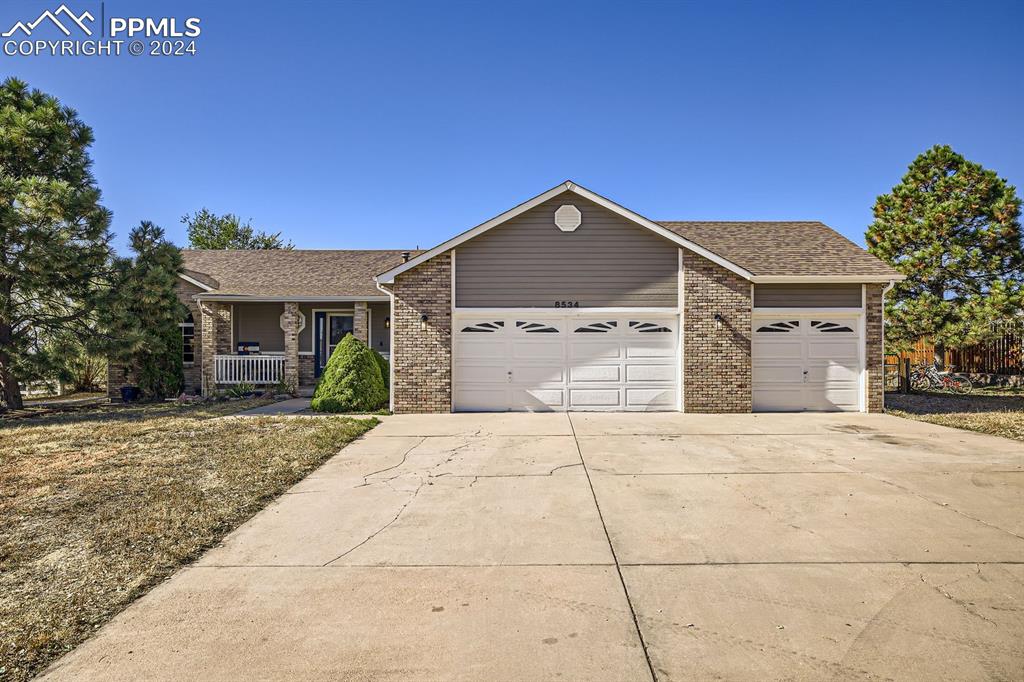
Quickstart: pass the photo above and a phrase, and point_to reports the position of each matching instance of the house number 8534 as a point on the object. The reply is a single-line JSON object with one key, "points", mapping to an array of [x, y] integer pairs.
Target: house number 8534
{"points": [[567, 304]]}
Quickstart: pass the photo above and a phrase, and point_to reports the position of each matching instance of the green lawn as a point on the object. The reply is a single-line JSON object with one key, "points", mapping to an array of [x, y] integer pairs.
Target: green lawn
{"points": [[97, 506]]}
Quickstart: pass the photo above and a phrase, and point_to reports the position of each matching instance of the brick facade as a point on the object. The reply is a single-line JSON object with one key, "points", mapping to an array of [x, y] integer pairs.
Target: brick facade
{"points": [[875, 351], [214, 338], [290, 326], [716, 361], [306, 377], [423, 357], [360, 322]]}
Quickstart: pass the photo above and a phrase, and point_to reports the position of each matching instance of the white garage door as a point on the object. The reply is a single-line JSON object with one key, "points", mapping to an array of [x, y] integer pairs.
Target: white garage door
{"points": [[810, 362], [563, 362]]}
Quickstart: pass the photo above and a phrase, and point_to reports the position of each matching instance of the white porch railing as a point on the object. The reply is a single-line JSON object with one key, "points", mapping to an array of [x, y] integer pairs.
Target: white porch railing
{"points": [[248, 369]]}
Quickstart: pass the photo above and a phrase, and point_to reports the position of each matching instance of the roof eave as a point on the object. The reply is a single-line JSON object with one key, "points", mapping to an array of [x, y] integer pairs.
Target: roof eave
{"points": [[258, 298], [827, 279]]}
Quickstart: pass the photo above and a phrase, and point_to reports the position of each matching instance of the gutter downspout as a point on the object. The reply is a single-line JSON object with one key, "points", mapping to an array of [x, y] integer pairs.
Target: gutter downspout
{"points": [[391, 345]]}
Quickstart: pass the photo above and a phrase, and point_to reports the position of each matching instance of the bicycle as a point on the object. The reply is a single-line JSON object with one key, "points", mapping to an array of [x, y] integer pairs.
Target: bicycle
{"points": [[928, 376]]}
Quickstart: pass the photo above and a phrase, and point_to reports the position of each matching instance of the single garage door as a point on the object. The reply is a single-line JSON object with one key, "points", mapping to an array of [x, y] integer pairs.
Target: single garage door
{"points": [[807, 362], [565, 362]]}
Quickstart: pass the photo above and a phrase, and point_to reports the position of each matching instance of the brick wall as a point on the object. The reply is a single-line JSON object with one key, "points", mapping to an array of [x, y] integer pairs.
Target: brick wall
{"points": [[306, 377], [875, 352], [360, 326], [423, 357], [716, 362], [215, 340]]}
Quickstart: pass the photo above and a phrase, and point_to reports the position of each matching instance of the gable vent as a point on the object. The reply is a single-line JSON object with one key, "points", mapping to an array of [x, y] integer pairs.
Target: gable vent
{"points": [[568, 218]]}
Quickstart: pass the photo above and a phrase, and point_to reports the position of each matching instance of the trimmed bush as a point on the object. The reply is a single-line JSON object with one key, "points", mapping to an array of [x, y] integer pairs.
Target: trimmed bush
{"points": [[351, 381], [385, 371]]}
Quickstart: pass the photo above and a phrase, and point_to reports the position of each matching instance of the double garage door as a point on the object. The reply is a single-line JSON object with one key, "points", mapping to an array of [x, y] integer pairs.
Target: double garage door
{"points": [[566, 362], [807, 362]]}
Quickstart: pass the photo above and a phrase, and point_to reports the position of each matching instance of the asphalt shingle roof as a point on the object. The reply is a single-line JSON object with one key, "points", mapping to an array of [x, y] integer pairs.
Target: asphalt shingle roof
{"points": [[762, 248], [782, 248], [291, 273]]}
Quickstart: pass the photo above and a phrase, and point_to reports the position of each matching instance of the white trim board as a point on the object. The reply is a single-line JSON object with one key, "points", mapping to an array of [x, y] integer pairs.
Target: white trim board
{"points": [[191, 280], [567, 312], [389, 276], [245, 298], [826, 279]]}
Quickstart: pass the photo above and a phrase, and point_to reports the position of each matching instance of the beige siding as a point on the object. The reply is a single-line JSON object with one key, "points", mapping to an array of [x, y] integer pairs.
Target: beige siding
{"points": [[259, 322], [807, 296], [380, 336], [528, 262]]}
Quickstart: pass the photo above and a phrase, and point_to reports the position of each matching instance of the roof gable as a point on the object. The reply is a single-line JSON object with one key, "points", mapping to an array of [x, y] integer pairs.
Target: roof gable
{"points": [[568, 186]]}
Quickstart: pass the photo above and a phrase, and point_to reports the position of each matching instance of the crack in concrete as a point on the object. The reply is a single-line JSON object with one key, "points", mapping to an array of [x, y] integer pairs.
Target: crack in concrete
{"points": [[966, 606], [383, 528], [615, 558]]}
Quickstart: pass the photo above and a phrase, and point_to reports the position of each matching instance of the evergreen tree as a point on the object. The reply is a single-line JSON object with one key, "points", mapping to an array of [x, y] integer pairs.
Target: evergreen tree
{"points": [[54, 234], [953, 228], [207, 230], [351, 381], [143, 313]]}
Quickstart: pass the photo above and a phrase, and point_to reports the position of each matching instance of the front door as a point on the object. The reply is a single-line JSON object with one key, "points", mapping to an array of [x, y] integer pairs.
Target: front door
{"points": [[330, 329]]}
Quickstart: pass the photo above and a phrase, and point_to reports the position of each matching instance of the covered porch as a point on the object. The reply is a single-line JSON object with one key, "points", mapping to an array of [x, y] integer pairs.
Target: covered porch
{"points": [[251, 340]]}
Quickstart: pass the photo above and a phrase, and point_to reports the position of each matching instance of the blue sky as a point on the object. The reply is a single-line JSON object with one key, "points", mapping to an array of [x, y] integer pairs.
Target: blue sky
{"points": [[391, 125]]}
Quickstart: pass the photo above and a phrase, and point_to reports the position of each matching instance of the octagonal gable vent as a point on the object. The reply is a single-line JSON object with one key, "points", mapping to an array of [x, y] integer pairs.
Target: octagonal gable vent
{"points": [[568, 218]]}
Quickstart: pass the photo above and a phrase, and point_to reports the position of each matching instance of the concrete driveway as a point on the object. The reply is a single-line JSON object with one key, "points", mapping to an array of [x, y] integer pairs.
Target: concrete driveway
{"points": [[609, 546]]}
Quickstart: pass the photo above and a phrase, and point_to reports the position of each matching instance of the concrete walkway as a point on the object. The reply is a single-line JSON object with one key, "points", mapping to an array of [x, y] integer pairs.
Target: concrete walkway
{"points": [[608, 547]]}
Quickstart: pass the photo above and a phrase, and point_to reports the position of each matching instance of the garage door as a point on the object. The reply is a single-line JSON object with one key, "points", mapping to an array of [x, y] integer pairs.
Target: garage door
{"points": [[563, 362], [808, 362]]}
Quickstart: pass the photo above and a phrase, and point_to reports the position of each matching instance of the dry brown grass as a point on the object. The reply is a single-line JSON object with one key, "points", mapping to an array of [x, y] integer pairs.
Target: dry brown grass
{"points": [[97, 507], [996, 413]]}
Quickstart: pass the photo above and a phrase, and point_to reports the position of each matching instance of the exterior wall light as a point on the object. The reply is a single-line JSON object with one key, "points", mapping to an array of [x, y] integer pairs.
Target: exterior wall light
{"points": [[718, 320], [423, 323], [387, 323]]}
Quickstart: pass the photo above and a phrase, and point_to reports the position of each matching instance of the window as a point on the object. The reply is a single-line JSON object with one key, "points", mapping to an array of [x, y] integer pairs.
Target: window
{"points": [[597, 327], [830, 327], [779, 327], [484, 327], [649, 327], [188, 340], [535, 327]]}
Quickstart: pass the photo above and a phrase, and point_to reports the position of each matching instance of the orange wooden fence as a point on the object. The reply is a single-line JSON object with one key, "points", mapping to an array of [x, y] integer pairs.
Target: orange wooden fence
{"points": [[1002, 355]]}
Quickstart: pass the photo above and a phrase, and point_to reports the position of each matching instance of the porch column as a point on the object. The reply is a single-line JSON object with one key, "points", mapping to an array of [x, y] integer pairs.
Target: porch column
{"points": [[360, 328], [290, 326], [215, 339]]}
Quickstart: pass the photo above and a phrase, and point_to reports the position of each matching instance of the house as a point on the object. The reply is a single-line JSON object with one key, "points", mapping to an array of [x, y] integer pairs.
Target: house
{"points": [[568, 301]]}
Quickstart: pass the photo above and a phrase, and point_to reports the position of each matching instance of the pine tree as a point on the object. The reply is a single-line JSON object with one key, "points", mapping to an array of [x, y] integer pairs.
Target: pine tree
{"points": [[141, 317], [953, 228], [54, 234]]}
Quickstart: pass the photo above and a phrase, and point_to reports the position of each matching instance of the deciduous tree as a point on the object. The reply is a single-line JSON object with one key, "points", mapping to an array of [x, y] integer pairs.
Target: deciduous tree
{"points": [[953, 228], [207, 230]]}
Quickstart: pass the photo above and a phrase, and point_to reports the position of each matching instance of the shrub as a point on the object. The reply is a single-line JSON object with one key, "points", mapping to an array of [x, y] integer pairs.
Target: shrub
{"points": [[351, 381], [385, 372]]}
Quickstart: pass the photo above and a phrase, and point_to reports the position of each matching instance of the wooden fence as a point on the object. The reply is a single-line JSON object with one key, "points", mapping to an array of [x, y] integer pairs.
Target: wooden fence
{"points": [[1002, 355]]}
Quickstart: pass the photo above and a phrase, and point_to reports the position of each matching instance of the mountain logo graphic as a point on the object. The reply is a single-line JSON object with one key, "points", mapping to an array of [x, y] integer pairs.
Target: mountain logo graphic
{"points": [[78, 21]]}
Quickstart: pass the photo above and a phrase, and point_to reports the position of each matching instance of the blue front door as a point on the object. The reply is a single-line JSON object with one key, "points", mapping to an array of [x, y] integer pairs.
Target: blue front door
{"points": [[329, 329]]}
